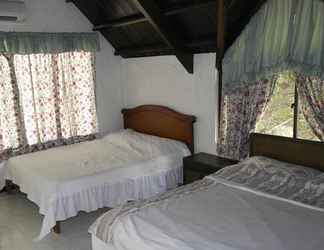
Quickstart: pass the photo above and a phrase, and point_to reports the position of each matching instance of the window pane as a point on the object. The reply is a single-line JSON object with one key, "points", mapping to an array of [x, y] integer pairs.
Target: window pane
{"points": [[278, 118]]}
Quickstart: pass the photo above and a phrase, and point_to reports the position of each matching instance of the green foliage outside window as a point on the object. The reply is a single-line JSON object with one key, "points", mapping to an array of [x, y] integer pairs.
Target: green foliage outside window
{"points": [[278, 118]]}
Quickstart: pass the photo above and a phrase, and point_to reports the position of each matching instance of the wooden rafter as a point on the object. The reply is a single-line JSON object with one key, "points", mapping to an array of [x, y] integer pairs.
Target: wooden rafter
{"points": [[175, 41], [221, 23], [221, 29], [153, 14], [208, 40], [120, 22], [138, 18]]}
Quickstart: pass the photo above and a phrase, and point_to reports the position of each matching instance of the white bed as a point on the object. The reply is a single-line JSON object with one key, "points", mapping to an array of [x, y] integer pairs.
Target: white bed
{"points": [[229, 210], [105, 172]]}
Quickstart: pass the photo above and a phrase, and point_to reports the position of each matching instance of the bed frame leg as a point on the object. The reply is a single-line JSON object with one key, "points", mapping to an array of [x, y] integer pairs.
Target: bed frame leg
{"points": [[9, 187], [57, 228]]}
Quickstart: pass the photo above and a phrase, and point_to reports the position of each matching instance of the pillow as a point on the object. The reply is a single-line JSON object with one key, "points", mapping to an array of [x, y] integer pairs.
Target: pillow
{"points": [[269, 175], [146, 144], [312, 193]]}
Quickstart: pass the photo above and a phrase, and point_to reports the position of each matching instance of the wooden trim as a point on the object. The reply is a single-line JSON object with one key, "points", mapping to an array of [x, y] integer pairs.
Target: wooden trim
{"points": [[221, 26], [295, 151], [161, 121], [296, 107]]}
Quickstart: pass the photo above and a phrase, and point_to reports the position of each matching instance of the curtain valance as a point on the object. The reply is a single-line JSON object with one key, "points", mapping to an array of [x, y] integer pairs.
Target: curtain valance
{"points": [[283, 35], [38, 42]]}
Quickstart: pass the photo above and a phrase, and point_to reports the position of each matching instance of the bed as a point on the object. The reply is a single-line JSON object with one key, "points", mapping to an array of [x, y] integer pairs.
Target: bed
{"points": [[138, 162], [273, 200]]}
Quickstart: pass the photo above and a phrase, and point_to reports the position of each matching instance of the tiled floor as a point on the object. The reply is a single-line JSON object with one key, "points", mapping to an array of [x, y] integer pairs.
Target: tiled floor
{"points": [[20, 223]]}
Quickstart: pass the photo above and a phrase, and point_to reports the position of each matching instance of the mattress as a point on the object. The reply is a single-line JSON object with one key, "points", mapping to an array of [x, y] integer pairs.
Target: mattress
{"points": [[211, 214], [106, 172]]}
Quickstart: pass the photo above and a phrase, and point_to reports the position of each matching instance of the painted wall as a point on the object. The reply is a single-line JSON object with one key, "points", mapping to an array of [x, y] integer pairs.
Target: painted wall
{"points": [[59, 16], [164, 81]]}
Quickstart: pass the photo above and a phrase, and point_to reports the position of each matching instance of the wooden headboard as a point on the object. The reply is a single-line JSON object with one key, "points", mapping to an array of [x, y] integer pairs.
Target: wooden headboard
{"points": [[301, 152], [161, 121]]}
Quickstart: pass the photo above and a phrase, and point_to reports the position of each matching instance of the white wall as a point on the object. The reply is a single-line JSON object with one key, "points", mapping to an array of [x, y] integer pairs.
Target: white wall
{"points": [[59, 16], [164, 81]]}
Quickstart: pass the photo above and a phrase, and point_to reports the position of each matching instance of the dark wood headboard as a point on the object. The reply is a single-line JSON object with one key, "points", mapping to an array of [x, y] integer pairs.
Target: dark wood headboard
{"points": [[301, 152], [161, 121]]}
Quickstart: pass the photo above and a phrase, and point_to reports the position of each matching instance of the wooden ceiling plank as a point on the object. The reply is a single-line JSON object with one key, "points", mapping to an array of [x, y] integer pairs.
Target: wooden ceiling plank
{"points": [[186, 6], [173, 10], [153, 14], [120, 22]]}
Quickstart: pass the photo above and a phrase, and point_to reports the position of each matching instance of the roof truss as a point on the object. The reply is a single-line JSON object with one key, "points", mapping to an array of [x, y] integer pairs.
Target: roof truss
{"points": [[138, 28], [154, 15]]}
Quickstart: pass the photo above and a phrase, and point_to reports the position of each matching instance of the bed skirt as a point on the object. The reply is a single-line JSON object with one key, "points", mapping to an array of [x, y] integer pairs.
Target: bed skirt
{"points": [[108, 195]]}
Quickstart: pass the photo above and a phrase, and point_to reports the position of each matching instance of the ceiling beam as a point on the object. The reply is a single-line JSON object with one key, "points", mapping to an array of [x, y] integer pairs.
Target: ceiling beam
{"points": [[120, 22], [221, 23], [221, 29], [155, 49], [138, 18], [208, 40], [153, 14]]}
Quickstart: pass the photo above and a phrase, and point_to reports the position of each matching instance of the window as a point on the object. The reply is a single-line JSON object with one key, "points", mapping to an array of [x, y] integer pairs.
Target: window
{"points": [[45, 97], [283, 115]]}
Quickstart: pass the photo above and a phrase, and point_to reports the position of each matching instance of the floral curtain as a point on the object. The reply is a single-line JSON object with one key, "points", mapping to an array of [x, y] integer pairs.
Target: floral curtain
{"points": [[46, 100], [311, 93], [241, 108]]}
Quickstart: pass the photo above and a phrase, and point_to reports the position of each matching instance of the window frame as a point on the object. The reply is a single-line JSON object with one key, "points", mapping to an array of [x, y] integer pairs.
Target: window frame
{"points": [[295, 106]]}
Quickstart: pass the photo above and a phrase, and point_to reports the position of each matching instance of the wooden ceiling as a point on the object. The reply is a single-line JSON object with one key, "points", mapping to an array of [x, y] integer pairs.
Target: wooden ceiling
{"points": [[139, 28]]}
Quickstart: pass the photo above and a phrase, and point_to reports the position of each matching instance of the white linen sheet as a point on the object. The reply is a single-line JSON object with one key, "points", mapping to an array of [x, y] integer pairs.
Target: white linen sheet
{"points": [[106, 172], [222, 216]]}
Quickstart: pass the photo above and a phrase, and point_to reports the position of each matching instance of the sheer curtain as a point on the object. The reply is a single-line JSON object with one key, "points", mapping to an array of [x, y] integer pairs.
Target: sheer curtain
{"points": [[46, 98]]}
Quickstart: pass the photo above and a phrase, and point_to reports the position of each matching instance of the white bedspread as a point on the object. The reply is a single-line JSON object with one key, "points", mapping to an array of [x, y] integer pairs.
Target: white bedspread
{"points": [[221, 216], [102, 173]]}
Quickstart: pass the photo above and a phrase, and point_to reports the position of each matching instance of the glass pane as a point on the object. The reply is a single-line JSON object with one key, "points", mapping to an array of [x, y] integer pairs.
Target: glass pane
{"points": [[278, 118]]}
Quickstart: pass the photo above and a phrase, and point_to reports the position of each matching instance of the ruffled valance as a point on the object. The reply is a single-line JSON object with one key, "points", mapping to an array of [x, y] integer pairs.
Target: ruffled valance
{"points": [[39, 42], [283, 35]]}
